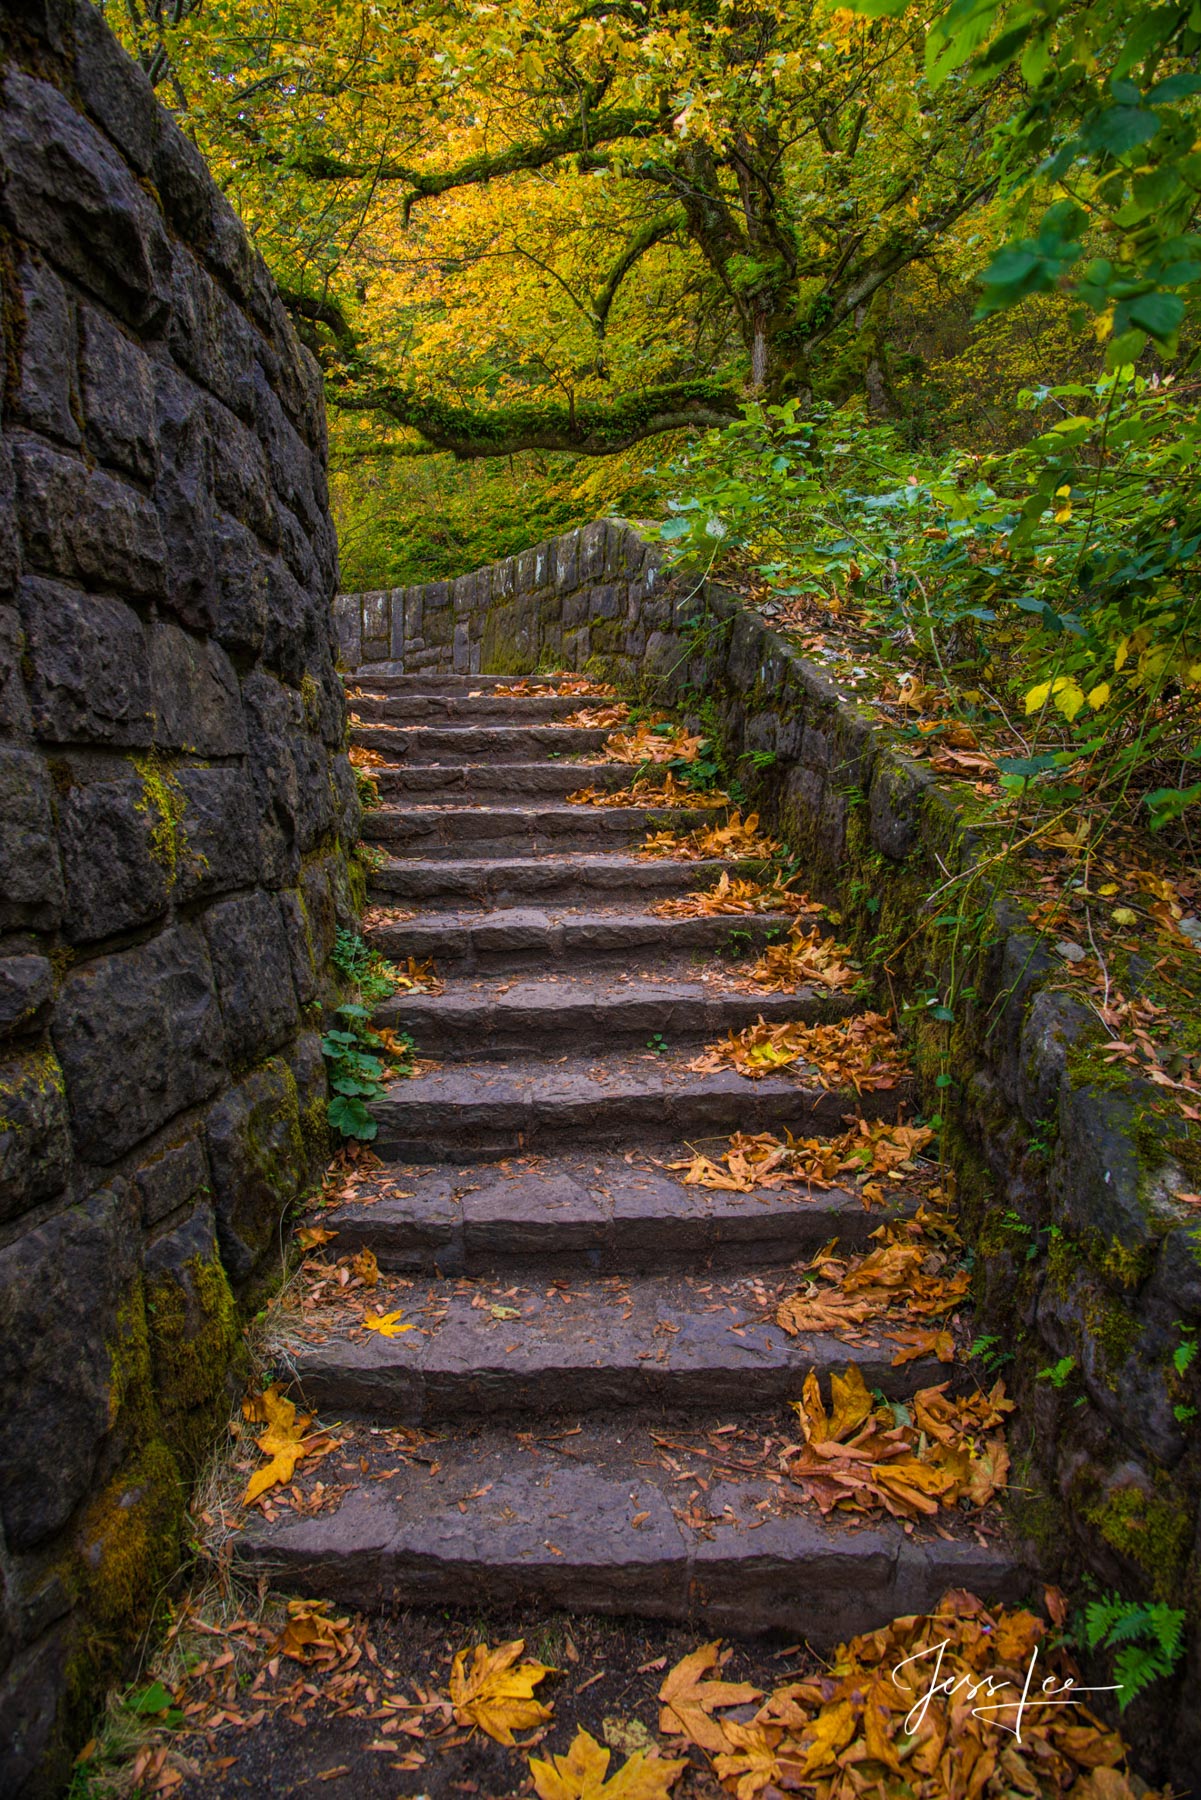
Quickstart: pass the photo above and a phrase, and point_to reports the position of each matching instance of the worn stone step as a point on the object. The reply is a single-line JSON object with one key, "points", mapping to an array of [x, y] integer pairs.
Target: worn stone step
{"points": [[516, 830], [388, 678], [464, 708], [485, 1350], [588, 1215], [440, 782], [478, 743], [581, 1013], [500, 880], [466, 1110], [584, 1523], [517, 938]]}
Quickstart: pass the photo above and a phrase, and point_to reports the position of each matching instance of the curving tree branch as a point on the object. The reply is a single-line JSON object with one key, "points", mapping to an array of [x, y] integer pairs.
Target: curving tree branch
{"points": [[588, 428]]}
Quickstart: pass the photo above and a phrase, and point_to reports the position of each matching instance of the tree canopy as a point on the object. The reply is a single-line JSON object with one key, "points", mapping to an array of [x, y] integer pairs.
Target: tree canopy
{"points": [[570, 226]]}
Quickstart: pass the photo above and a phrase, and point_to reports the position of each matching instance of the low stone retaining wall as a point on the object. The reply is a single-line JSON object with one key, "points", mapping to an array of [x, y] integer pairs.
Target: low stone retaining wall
{"points": [[174, 807], [1066, 1178]]}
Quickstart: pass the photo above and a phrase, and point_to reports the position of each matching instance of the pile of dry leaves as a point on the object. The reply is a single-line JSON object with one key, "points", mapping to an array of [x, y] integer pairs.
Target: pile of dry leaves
{"points": [[645, 792], [910, 1459], [862, 1052], [738, 837], [759, 1160], [361, 758], [873, 1724], [571, 686], [908, 1276], [653, 740], [600, 718], [803, 956], [737, 896]]}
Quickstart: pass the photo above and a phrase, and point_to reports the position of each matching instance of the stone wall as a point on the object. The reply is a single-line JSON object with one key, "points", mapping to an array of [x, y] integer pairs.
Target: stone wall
{"points": [[173, 809], [1067, 1174]]}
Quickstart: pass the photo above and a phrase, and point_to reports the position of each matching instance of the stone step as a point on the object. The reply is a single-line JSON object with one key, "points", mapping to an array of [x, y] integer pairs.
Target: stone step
{"points": [[440, 782], [588, 1215], [582, 1522], [470, 1110], [437, 709], [388, 678], [517, 938], [532, 1016], [501, 880], [478, 743], [451, 831], [663, 1343]]}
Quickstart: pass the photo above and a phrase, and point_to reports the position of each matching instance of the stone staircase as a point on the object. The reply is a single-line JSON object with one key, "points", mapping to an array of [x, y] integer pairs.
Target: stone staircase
{"points": [[589, 1327]]}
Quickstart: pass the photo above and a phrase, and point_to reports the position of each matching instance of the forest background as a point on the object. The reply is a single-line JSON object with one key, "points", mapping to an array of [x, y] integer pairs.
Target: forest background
{"points": [[888, 314]]}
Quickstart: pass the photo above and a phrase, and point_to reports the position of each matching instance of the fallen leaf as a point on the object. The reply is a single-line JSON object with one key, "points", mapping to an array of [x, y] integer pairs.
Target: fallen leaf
{"points": [[386, 1324], [580, 1775], [688, 1699], [496, 1693], [283, 1442]]}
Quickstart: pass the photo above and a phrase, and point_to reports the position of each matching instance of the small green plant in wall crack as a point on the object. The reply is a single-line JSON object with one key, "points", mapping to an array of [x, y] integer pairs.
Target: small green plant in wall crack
{"points": [[1148, 1641], [359, 1063]]}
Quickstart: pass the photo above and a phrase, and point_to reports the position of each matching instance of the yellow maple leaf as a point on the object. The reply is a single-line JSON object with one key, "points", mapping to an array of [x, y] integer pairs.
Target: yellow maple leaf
{"points": [[580, 1775], [687, 1700], [311, 1237], [283, 1441], [387, 1324], [497, 1692]]}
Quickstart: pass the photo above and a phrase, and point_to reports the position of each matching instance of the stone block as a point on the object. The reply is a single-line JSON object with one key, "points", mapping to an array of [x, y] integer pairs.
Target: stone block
{"points": [[349, 631], [139, 1035], [26, 984], [565, 551], [116, 837], [241, 477], [217, 840], [10, 543], [89, 668], [184, 184], [31, 891], [898, 791], [45, 384], [196, 695], [68, 192], [175, 1174], [117, 383], [14, 707], [35, 1138], [62, 1288], [252, 966], [288, 457], [312, 1094], [240, 575], [210, 336], [461, 656], [293, 638], [192, 1326], [86, 524], [30, 1695], [184, 498], [257, 1157], [114, 89]]}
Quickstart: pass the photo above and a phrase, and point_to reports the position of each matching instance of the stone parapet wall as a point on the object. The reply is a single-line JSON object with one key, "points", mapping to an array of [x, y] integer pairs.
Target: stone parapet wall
{"points": [[1067, 1178], [174, 811]]}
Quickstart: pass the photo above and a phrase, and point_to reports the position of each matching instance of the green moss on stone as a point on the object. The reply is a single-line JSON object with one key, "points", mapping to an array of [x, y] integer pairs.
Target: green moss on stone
{"points": [[163, 799], [195, 1344], [1153, 1530]]}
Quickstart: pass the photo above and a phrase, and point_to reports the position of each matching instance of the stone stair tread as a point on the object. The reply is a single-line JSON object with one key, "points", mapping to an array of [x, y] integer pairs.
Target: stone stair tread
{"points": [[455, 829], [417, 708], [521, 937], [509, 1344], [558, 775], [530, 1013], [586, 1213], [517, 1102], [593, 1520], [551, 871]]}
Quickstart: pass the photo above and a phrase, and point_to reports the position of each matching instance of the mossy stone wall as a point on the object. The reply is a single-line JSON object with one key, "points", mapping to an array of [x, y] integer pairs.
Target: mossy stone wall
{"points": [[1067, 1174], [175, 811]]}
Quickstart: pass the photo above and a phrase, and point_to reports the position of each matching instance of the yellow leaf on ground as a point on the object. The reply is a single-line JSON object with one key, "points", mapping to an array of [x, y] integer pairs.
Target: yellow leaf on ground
{"points": [[580, 1775], [688, 1699], [497, 1692], [735, 896], [283, 1441], [387, 1324], [311, 1636], [311, 1237], [366, 1267]]}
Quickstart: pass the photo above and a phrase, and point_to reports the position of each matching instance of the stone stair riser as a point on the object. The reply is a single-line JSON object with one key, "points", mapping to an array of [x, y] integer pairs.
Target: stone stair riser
{"points": [[463, 832], [568, 880], [496, 945]]}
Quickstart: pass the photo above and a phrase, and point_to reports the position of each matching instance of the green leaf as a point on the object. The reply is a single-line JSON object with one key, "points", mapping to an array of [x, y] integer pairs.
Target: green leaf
{"points": [[1120, 129], [1158, 314]]}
